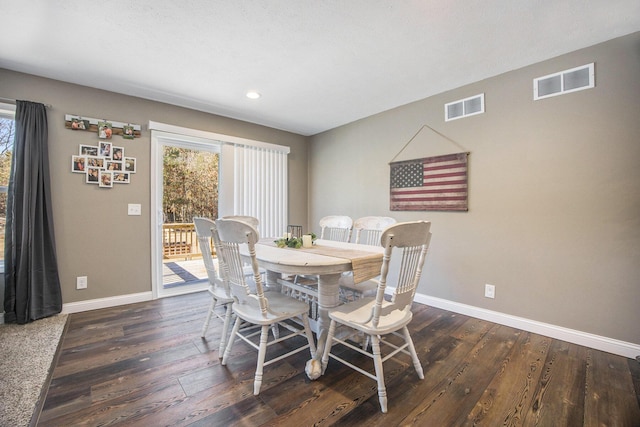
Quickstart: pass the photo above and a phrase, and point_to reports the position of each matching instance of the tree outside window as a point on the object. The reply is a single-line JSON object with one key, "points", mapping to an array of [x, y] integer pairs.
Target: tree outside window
{"points": [[7, 132], [190, 184]]}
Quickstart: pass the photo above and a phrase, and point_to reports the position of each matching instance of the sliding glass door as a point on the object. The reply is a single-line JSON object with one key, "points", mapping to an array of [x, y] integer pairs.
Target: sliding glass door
{"points": [[185, 177], [200, 173]]}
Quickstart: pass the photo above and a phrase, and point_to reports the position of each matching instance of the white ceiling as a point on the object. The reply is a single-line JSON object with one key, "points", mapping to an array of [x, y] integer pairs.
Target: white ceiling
{"points": [[318, 64]]}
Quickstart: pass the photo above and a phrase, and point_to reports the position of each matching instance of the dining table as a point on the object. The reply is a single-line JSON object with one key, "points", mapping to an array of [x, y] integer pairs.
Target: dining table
{"points": [[327, 260]]}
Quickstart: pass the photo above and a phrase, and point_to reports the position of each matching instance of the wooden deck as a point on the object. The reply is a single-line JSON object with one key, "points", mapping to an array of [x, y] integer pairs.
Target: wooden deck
{"points": [[176, 272]]}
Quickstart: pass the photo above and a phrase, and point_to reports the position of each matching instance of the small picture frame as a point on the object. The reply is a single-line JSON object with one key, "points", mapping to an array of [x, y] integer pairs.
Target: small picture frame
{"points": [[79, 124], [130, 164], [117, 153], [93, 175], [121, 178], [127, 132], [104, 149], [110, 165], [105, 130], [78, 164], [95, 162], [105, 179], [88, 150]]}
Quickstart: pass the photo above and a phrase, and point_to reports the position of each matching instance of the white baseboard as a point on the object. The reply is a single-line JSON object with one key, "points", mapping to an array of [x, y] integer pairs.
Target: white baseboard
{"points": [[597, 342], [94, 304]]}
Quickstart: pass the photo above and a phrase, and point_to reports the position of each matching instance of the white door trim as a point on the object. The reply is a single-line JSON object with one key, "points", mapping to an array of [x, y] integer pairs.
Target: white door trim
{"points": [[159, 139]]}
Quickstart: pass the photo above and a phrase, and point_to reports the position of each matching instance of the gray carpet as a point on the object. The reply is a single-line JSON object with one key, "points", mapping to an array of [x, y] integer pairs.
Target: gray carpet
{"points": [[26, 356]]}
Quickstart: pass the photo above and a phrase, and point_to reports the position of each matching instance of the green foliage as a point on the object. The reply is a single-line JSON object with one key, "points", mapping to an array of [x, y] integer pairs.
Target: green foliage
{"points": [[190, 184], [292, 242]]}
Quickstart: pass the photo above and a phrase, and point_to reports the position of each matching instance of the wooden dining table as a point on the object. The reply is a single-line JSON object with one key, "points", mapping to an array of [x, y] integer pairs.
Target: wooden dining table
{"points": [[328, 260]]}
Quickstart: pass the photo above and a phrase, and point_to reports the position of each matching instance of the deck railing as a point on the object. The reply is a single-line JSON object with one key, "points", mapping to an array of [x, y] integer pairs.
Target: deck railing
{"points": [[179, 240]]}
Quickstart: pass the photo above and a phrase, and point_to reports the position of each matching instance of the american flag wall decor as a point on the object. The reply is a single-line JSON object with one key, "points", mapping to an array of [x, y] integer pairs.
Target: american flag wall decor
{"points": [[430, 184]]}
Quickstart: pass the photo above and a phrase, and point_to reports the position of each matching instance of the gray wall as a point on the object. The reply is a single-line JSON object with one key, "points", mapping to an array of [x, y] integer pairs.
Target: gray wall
{"points": [[94, 235], [554, 192]]}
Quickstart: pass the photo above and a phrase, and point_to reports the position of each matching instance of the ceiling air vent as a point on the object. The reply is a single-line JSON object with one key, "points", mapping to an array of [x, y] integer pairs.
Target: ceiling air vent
{"points": [[464, 107], [567, 81]]}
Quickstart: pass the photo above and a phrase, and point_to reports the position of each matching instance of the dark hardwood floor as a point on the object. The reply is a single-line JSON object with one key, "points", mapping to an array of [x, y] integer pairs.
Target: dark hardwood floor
{"points": [[145, 364]]}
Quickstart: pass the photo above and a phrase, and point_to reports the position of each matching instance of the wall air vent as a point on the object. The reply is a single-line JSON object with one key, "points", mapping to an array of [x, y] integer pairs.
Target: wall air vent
{"points": [[464, 107], [567, 81]]}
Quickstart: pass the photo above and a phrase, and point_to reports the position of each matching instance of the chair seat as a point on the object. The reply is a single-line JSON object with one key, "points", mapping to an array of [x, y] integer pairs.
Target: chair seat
{"points": [[220, 295], [357, 315], [281, 307], [366, 288]]}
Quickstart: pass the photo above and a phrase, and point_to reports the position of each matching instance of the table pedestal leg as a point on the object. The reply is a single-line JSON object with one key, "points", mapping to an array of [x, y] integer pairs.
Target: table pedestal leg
{"points": [[272, 281], [328, 298]]}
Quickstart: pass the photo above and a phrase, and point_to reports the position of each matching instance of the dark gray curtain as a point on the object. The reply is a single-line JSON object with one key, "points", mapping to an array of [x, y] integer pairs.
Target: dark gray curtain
{"points": [[32, 285]]}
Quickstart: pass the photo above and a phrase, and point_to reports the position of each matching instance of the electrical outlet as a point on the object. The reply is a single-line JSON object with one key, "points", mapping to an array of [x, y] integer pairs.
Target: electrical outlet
{"points": [[81, 282], [489, 291]]}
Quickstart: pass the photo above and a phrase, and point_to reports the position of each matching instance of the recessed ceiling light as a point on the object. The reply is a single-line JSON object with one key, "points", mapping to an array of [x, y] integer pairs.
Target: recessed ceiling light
{"points": [[252, 94]]}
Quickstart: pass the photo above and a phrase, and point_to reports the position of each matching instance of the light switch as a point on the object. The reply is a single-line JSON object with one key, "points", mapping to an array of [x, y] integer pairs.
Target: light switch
{"points": [[135, 209]]}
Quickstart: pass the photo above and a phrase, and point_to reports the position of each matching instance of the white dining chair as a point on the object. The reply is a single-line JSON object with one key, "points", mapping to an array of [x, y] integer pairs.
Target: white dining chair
{"points": [[377, 317], [367, 231], [257, 308], [218, 287], [251, 220], [336, 227], [255, 223]]}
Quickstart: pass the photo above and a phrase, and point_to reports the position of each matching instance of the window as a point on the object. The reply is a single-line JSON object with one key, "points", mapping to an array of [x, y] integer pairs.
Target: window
{"points": [[7, 133]]}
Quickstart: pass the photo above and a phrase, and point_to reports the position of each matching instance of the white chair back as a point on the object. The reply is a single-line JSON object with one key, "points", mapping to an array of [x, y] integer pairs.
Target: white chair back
{"points": [[251, 220], [336, 227], [369, 229], [233, 234], [205, 237], [411, 240]]}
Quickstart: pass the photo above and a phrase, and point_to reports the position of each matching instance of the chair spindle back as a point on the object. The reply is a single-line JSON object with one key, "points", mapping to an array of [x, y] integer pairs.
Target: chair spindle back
{"points": [[412, 240], [336, 227], [206, 238], [233, 234], [368, 229]]}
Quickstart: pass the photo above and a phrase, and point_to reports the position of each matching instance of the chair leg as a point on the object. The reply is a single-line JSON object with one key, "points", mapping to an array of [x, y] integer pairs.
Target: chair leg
{"points": [[212, 307], [327, 345], [365, 342], [225, 331], [414, 355], [262, 352], [232, 336], [377, 363]]}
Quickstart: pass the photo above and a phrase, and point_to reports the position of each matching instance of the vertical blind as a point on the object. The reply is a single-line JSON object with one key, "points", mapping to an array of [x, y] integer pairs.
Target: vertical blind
{"points": [[260, 187]]}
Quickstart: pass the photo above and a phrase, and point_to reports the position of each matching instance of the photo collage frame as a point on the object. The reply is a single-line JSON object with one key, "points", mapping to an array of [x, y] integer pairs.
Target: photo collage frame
{"points": [[104, 164]]}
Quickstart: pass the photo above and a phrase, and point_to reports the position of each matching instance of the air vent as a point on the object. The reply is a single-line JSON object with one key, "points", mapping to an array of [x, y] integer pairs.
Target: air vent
{"points": [[464, 107], [567, 81]]}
